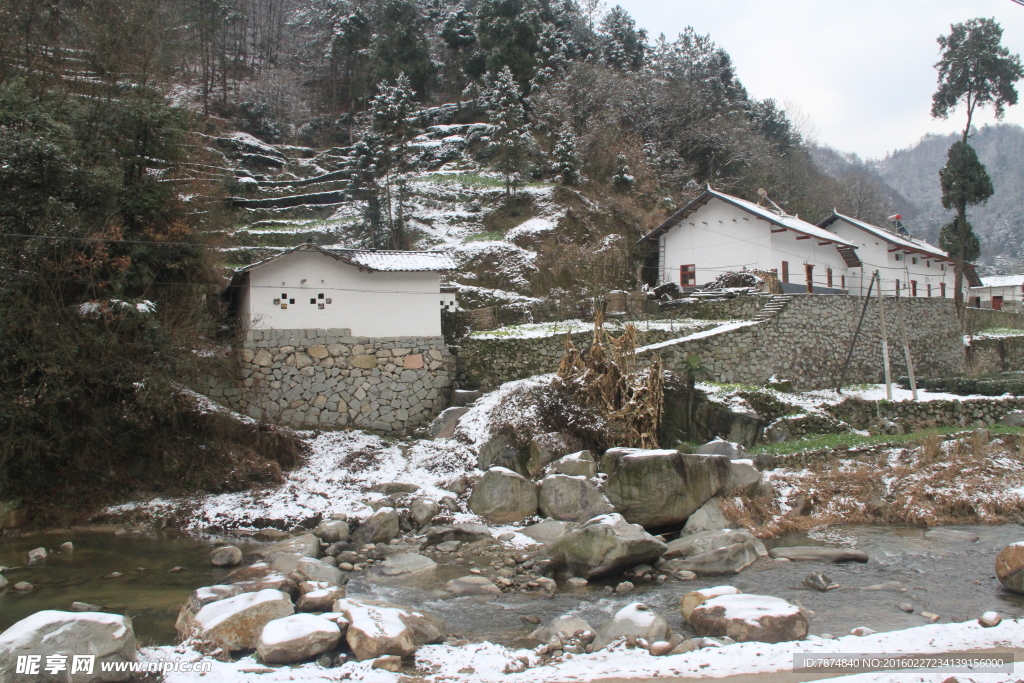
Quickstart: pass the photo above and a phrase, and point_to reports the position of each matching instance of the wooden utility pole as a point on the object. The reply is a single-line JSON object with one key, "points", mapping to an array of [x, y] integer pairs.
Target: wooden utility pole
{"points": [[906, 349], [856, 333], [885, 338]]}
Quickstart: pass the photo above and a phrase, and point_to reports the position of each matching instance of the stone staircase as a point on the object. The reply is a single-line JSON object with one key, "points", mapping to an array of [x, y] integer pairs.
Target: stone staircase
{"points": [[775, 305]]}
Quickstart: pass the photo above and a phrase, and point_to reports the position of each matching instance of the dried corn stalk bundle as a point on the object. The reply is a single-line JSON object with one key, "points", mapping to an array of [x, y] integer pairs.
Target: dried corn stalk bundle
{"points": [[630, 399]]}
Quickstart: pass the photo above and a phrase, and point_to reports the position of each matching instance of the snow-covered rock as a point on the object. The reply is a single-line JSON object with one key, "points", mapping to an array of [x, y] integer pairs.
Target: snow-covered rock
{"points": [[200, 598], [694, 599], [635, 619], [502, 496], [571, 499], [236, 623], [423, 510], [662, 487], [297, 638], [548, 531], [749, 617], [719, 446], [580, 464], [377, 628], [564, 627], [51, 632], [260, 576], [605, 544], [320, 599]]}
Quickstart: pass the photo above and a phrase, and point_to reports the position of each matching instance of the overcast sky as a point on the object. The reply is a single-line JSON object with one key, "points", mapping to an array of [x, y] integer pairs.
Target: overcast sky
{"points": [[860, 70]]}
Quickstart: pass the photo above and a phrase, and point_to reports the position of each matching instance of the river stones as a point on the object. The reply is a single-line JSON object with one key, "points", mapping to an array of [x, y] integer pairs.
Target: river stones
{"points": [[284, 555], [548, 531], [693, 599], [605, 544], [423, 510], [380, 527], [471, 585], [1010, 567], [297, 638], [708, 517], [200, 598], [405, 565], [319, 570], [260, 576], [952, 535], [747, 618], [705, 541], [730, 559], [661, 487], [502, 496], [320, 599], [35, 556], [820, 581], [332, 531], [635, 619], [236, 623], [579, 464], [463, 533], [809, 553], [51, 632], [564, 627], [377, 628], [226, 556], [571, 499]]}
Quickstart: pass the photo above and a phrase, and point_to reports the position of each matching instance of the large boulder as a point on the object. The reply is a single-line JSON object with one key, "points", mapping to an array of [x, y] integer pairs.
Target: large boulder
{"points": [[284, 555], [564, 627], [744, 478], [730, 559], [605, 544], [261, 576], [50, 632], [658, 488], [463, 533], [226, 556], [718, 446], [378, 628], [236, 623], [748, 618], [502, 496], [635, 619], [694, 599], [498, 452], [318, 570], [706, 541], [545, 449], [579, 464], [548, 531], [708, 517], [404, 565], [320, 599], [423, 510], [443, 426], [571, 499], [1010, 567], [471, 585], [380, 527], [201, 597], [332, 531], [297, 638]]}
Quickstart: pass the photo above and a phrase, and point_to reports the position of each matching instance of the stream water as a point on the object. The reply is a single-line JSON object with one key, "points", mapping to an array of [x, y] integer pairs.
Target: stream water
{"points": [[952, 579]]}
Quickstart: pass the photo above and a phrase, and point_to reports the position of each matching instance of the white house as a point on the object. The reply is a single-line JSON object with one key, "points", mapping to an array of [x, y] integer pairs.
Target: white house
{"points": [[717, 233], [998, 292], [374, 293], [907, 266]]}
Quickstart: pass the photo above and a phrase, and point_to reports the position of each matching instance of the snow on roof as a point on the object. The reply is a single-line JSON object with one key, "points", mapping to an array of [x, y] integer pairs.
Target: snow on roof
{"points": [[905, 241], [1002, 281], [780, 219], [372, 259]]}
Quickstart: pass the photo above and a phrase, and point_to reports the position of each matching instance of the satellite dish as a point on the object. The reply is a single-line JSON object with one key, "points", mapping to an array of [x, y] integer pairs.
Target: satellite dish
{"points": [[761, 192]]}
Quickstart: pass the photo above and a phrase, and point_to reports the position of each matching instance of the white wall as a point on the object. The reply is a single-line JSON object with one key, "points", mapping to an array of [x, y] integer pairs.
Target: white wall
{"points": [[719, 237], [377, 304], [874, 253], [1011, 295]]}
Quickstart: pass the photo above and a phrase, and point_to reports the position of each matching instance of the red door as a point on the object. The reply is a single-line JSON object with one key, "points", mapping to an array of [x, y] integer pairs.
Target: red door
{"points": [[997, 303]]}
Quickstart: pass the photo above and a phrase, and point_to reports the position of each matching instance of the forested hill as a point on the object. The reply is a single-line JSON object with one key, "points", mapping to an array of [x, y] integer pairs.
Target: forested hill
{"points": [[914, 173]]}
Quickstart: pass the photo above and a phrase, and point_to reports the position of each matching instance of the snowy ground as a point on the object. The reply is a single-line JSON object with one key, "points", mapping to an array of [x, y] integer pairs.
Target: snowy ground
{"points": [[486, 662], [536, 330]]}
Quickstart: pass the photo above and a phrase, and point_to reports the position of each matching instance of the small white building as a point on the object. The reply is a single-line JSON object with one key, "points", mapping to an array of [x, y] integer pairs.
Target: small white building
{"points": [[998, 292], [907, 266], [718, 233], [374, 293]]}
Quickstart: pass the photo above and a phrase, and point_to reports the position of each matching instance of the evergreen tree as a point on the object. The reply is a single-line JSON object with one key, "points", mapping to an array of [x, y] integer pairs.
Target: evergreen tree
{"points": [[391, 109], [567, 164], [623, 179], [400, 45], [977, 71], [511, 138], [623, 46], [509, 32]]}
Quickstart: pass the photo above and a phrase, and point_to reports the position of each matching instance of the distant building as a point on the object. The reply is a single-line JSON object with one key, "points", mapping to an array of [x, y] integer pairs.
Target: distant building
{"points": [[906, 265], [374, 293], [998, 292], [718, 233]]}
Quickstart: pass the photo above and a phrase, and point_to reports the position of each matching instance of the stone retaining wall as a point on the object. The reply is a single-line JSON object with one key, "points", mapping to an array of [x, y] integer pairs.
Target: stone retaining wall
{"points": [[979, 319], [975, 412], [808, 340], [743, 307], [989, 356], [328, 378]]}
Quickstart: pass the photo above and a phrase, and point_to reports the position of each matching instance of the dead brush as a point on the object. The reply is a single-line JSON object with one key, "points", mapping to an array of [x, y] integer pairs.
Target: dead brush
{"points": [[931, 450]]}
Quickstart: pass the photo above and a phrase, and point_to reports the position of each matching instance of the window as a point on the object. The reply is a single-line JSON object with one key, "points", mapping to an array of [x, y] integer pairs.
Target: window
{"points": [[913, 260], [291, 301], [913, 288], [828, 276], [898, 256], [927, 264], [942, 288], [320, 295], [312, 301], [785, 271], [897, 288], [842, 281], [809, 274], [929, 288], [943, 267], [688, 275]]}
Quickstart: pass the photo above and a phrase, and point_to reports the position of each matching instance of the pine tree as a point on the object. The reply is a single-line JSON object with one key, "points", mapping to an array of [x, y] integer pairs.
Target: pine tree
{"points": [[567, 164], [511, 138], [391, 109], [623, 179], [975, 70], [624, 47]]}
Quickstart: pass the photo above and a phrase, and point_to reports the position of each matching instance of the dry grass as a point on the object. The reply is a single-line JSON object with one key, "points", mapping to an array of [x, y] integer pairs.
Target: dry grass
{"points": [[960, 481]]}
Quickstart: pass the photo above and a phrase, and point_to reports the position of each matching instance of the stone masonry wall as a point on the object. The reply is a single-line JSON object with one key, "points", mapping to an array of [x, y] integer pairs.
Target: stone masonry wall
{"points": [[975, 412], [742, 307], [808, 340], [992, 355], [979, 319], [328, 378]]}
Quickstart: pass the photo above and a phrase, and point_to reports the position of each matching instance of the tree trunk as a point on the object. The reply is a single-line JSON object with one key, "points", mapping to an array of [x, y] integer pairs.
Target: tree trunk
{"points": [[958, 277]]}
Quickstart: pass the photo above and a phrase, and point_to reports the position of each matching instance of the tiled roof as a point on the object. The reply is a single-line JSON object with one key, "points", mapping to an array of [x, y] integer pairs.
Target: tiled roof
{"points": [[909, 243], [373, 259]]}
